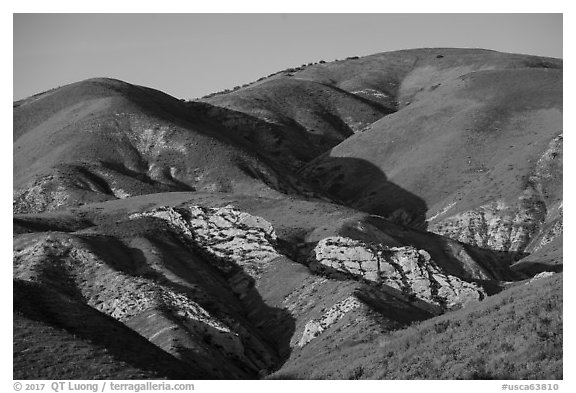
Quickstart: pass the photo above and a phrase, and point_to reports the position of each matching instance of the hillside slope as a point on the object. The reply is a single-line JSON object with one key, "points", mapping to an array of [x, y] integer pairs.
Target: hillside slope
{"points": [[200, 284], [465, 142], [104, 139], [475, 155], [300, 119], [525, 342], [372, 217], [58, 337], [220, 291]]}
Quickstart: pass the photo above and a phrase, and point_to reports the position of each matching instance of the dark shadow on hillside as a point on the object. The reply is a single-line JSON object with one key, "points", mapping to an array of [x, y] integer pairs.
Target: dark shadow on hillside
{"points": [[39, 303], [286, 142], [498, 262], [359, 184], [531, 268], [168, 182], [28, 223], [394, 307], [184, 269], [386, 110], [383, 298], [450, 254], [274, 325]]}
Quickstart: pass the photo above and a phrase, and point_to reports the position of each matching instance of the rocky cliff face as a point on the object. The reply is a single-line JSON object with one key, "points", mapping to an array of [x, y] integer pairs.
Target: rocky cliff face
{"points": [[407, 270]]}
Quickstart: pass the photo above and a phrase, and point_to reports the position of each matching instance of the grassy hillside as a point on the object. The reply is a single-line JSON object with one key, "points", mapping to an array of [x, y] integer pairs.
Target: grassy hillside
{"points": [[473, 151], [455, 130], [473, 139], [517, 334]]}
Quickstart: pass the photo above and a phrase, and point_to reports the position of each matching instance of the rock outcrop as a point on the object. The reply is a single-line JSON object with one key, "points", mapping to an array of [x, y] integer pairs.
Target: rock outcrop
{"points": [[397, 187], [551, 230], [316, 326], [39, 195], [497, 225], [407, 270], [512, 226], [237, 243], [172, 318], [540, 276]]}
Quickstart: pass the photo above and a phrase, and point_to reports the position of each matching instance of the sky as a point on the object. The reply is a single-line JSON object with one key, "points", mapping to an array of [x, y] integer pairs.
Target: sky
{"points": [[191, 55]]}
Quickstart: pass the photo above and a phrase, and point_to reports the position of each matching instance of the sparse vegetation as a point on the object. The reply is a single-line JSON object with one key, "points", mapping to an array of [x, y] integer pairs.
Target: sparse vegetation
{"points": [[516, 334], [129, 261], [287, 71]]}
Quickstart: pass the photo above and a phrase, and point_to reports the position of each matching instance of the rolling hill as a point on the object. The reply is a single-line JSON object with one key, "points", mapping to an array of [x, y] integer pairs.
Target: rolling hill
{"points": [[104, 139], [364, 218]]}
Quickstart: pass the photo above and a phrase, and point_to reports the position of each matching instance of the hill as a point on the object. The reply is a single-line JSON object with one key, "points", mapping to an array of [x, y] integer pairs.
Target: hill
{"points": [[371, 217], [467, 143], [104, 139], [525, 343], [473, 153]]}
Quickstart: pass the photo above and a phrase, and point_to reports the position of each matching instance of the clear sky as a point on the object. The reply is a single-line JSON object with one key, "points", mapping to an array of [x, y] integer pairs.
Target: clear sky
{"points": [[190, 55]]}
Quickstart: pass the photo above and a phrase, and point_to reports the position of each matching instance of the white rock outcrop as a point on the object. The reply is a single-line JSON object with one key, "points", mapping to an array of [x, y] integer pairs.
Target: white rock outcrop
{"points": [[225, 233], [170, 316], [316, 326], [512, 225], [497, 225], [407, 270], [540, 276], [65, 263], [235, 242]]}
